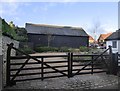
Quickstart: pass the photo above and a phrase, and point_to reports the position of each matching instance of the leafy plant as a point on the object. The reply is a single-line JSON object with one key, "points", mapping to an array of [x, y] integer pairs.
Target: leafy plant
{"points": [[64, 49], [84, 49], [46, 49], [27, 50], [13, 32]]}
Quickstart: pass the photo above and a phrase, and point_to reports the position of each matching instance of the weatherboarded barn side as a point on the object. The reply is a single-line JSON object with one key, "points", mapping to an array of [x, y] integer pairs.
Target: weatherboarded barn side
{"points": [[56, 36]]}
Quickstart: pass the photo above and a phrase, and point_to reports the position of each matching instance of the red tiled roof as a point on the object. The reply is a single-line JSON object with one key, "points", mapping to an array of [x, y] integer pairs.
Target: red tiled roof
{"points": [[104, 36], [90, 38]]}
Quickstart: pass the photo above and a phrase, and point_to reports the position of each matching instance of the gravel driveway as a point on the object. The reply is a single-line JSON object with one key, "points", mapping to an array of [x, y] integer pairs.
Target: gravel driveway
{"points": [[88, 81]]}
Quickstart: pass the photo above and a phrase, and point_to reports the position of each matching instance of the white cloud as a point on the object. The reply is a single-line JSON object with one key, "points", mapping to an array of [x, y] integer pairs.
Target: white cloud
{"points": [[9, 8], [59, 1], [44, 7], [107, 28]]}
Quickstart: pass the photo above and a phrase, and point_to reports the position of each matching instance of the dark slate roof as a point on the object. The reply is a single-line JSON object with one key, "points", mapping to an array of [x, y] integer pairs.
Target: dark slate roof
{"points": [[114, 36], [55, 30]]}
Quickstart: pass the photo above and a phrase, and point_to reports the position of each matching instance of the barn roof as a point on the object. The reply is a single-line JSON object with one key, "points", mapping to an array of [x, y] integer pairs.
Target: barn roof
{"points": [[55, 30], [114, 36]]}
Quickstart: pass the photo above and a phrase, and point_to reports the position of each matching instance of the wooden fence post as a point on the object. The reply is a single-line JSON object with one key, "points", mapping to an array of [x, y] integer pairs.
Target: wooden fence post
{"points": [[8, 83], [71, 65], [110, 59], [42, 69], [70, 55], [92, 65], [115, 63]]}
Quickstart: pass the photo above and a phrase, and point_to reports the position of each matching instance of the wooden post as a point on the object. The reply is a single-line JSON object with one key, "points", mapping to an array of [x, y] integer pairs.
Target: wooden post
{"points": [[92, 65], [115, 64], [42, 69], [110, 59], [70, 65], [8, 83]]}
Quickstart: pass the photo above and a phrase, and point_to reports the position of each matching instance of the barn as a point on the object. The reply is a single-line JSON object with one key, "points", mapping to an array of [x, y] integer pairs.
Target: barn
{"points": [[56, 36]]}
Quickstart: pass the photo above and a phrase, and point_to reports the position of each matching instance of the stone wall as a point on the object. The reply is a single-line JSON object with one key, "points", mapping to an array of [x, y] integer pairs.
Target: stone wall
{"points": [[5, 41], [1, 63]]}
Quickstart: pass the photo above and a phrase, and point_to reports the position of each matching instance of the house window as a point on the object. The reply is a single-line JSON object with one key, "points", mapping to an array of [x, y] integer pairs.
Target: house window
{"points": [[114, 44]]}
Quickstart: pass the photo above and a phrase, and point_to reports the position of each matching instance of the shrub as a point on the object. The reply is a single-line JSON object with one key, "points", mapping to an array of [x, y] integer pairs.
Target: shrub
{"points": [[64, 49], [21, 38], [46, 49], [73, 50], [27, 50], [83, 49]]}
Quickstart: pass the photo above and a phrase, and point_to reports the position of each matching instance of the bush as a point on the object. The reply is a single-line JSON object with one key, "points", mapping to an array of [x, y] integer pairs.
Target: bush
{"points": [[84, 49], [21, 38], [73, 50], [64, 49], [46, 49], [27, 50]]}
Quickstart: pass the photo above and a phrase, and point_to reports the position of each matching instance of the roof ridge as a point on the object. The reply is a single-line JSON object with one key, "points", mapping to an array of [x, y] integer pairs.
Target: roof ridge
{"points": [[55, 26]]}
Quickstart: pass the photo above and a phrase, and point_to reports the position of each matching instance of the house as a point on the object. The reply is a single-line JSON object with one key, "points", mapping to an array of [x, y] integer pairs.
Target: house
{"points": [[56, 36], [91, 41], [101, 39], [114, 41]]}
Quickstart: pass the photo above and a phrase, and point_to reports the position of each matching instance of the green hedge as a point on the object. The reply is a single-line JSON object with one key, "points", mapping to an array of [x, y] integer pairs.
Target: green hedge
{"points": [[26, 50], [61, 49], [46, 49], [64, 49], [84, 49]]}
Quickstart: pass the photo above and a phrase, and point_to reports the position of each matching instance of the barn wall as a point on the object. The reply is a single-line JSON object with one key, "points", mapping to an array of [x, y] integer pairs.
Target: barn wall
{"points": [[69, 41], [58, 41], [37, 40]]}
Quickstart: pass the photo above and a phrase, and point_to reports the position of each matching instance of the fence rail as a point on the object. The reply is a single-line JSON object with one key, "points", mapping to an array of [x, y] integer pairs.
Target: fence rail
{"points": [[70, 67]]}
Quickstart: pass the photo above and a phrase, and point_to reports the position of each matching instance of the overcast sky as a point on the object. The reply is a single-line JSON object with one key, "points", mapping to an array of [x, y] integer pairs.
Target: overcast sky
{"points": [[76, 14]]}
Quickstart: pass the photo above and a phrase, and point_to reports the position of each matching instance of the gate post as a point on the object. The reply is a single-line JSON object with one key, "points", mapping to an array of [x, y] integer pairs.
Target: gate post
{"points": [[8, 83], [110, 61], [42, 69], [115, 64], [70, 59], [92, 65]]}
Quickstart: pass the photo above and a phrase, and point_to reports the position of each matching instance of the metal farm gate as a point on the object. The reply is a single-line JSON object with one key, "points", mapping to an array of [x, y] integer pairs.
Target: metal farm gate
{"points": [[19, 69]]}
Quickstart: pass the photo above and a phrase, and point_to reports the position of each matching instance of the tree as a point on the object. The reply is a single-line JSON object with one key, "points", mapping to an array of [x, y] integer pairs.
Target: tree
{"points": [[96, 28], [12, 25]]}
